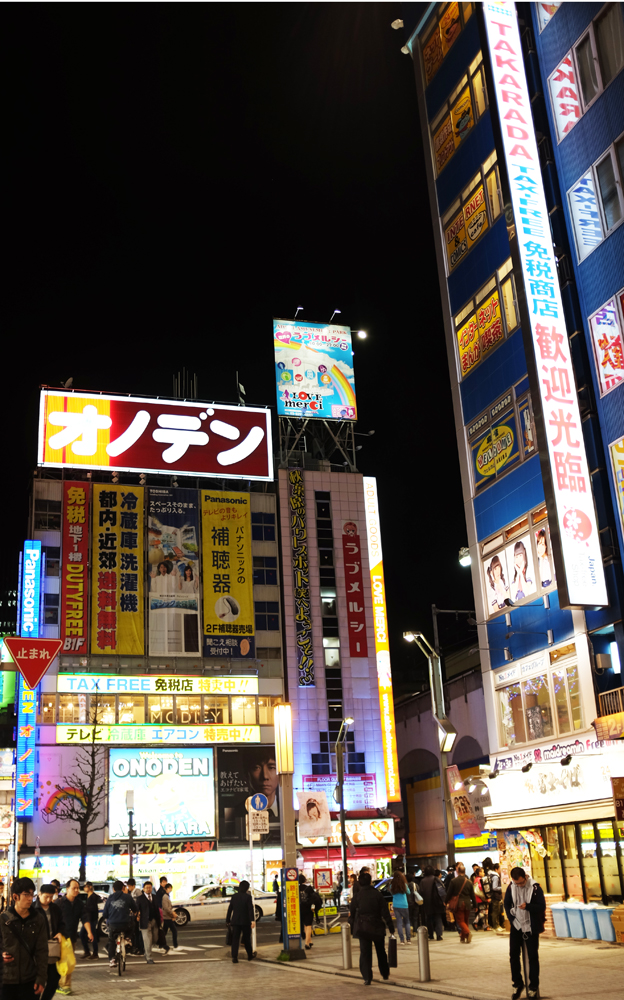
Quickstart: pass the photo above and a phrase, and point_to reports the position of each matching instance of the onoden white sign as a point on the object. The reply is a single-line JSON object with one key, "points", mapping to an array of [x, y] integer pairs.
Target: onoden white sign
{"points": [[582, 582]]}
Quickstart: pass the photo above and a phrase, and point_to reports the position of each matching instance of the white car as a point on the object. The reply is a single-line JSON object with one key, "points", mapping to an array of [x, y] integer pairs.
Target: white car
{"points": [[212, 902]]}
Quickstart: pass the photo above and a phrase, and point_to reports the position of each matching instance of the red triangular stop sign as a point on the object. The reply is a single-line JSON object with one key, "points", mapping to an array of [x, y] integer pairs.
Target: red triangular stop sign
{"points": [[33, 656]]}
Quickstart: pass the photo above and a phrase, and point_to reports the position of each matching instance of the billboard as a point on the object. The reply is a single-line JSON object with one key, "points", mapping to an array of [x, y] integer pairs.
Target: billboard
{"points": [[136, 434], [354, 588], [117, 612], [241, 772], [174, 793], [74, 563], [171, 735], [227, 574], [173, 572], [301, 578], [566, 473], [29, 624], [361, 832], [314, 370], [150, 684], [382, 645]]}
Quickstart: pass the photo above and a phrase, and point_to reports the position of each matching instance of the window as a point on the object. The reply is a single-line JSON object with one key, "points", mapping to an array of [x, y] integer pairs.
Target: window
{"points": [[50, 609], [47, 515], [440, 35], [267, 616], [72, 708], [328, 603], [543, 705], [268, 652], [517, 564], [587, 70], [331, 649], [470, 216], [500, 437], [243, 711], [265, 709], [131, 710], [103, 708], [597, 200], [606, 328], [458, 114], [265, 570], [481, 325], [48, 709], [262, 527], [609, 32], [52, 555], [160, 709]]}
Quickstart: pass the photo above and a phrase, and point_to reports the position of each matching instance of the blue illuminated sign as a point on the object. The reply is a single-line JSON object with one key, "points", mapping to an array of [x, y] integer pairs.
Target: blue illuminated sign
{"points": [[30, 590], [29, 619]]}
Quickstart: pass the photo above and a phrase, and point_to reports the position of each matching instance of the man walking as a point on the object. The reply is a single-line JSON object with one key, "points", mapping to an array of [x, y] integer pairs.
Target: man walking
{"points": [[24, 945], [240, 916], [137, 940], [525, 907], [90, 918], [169, 917], [433, 893], [496, 919], [149, 919], [120, 911], [71, 906], [56, 929], [160, 892], [369, 917]]}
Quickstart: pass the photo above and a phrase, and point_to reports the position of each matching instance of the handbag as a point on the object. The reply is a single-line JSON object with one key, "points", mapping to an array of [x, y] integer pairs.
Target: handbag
{"points": [[454, 900], [228, 936], [392, 952], [54, 948]]}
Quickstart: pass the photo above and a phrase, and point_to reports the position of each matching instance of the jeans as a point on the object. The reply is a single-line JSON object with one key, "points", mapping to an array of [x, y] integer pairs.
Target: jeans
{"points": [[366, 958], [245, 931], [171, 925], [52, 983], [515, 961], [435, 923], [402, 921]]}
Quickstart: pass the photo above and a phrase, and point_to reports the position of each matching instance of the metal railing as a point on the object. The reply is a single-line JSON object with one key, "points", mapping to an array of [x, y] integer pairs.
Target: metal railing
{"points": [[612, 701]]}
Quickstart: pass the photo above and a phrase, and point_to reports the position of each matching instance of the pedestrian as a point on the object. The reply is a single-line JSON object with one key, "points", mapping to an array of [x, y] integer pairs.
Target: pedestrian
{"points": [[72, 907], [90, 917], [400, 906], [308, 899], [160, 892], [24, 945], [338, 890], [120, 911], [433, 893], [137, 940], [3, 903], [57, 885], [169, 917], [56, 930], [460, 898], [369, 917], [240, 917], [495, 917], [450, 875], [525, 907], [149, 916], [482, 906]]}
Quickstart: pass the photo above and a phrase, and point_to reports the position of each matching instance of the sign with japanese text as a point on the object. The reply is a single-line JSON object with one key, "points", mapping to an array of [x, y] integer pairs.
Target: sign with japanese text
{"points": [[585, 215], [443, 143], [171, 735], [606, 336], [227, 573], [167, 847], [173, 571], [291, 919], [468, 345], [244, 773], [354, 586], [134, 434], [29, 624], [33, 657], [174, 793], [360, 790], [609, 727], [581, 578], [450, 27], [475, 215], [117, 611], [149, 684], [461, 803], [616, 451], [74, 566], [382, 644], [432, 54], [462, 117], [490, 323], [30, 589], [455, 239], [314, 370], [617, 785], [301, 574], [25, 778], [361, 832], [564, 96]]}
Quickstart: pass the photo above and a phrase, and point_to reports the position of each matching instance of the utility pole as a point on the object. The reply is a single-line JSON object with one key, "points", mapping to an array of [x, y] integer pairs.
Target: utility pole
{"points": [[130, 808]]}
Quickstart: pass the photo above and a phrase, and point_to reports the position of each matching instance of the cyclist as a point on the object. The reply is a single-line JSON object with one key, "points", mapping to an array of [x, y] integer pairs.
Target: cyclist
{"points": [[120, 911]]}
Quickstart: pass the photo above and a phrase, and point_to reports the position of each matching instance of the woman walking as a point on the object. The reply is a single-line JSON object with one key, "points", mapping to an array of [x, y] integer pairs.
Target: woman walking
{"points": [[400, 905], [460, 898], [369, 917]]}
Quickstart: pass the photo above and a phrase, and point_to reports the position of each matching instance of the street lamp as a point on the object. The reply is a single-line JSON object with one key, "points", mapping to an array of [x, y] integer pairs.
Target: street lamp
{"points": [[130, 808], [340, 744], [465, 559], [447, 733], [284, 760]]}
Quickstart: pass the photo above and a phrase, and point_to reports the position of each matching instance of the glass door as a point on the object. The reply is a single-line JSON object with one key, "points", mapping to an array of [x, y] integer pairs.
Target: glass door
{"points": [[589, 858], [552, 862], [571, 862]]}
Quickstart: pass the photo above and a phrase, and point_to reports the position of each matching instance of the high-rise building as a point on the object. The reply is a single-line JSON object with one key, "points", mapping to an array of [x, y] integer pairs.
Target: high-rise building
{"points": [[522, 114]]}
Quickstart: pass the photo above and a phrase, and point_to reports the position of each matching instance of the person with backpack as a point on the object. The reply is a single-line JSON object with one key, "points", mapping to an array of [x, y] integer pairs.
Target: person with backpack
{"points": [[24, 944], [56, 931], [525, 907], [495, 916], [308, 898]]}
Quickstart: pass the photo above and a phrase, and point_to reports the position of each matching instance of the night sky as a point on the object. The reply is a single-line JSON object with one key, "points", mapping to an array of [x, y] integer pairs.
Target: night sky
{"points": [[180, 174]]}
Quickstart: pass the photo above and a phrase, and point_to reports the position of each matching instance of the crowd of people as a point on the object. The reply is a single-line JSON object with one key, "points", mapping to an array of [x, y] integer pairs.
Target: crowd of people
{"points": [[40, 930]]}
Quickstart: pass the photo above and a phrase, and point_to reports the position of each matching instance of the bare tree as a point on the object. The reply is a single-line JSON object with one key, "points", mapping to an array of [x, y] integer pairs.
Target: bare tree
{"points": [[83, 791]]}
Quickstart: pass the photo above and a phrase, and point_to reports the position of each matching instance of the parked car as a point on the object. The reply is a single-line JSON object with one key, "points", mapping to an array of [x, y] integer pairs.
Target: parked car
{"points": [[212, 902]]}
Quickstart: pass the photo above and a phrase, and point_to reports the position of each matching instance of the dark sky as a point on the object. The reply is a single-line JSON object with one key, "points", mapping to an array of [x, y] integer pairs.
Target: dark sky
{"points": [[180, 174]]}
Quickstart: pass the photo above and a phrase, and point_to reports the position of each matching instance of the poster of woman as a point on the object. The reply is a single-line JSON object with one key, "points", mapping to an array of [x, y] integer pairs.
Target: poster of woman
{"points": [[496, 582], [546, 573], [314, 818], [521, 573]]}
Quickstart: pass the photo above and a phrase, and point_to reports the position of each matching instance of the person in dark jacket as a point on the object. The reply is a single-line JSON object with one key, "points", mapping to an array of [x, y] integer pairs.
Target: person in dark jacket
{"points": [[462, 887], [160, 892], [24, 933], [56, 930], [240, 917], [149, 919], [72, 908], [433, 893], [90, 917], [120, 912], [525, 907], [370, 916], [308, 898]]}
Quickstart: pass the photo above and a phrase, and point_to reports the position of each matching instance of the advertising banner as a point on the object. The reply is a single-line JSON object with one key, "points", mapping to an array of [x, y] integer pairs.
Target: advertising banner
{"points": [[174, 793], [564, 96], [455, 239], [354, 585], [241, 772], [461, 803], [360, 790], [74, 563], [117, 571], [301, 574], [568, 487], [450, 26], [475, 214], [432, 54], [173, 572], [171, 735], [382, 645], [28, 621], [314, 370], [314, 818], [135, 434], [228, 575], [150, 684], [364, 832], [585, 215], [443, 143], [616, 450], [606, 335], [462, 116]]}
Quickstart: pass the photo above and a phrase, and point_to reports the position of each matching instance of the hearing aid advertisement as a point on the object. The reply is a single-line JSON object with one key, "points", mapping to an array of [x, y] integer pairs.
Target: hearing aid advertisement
{"points": [[227, 572], [173, 572]]}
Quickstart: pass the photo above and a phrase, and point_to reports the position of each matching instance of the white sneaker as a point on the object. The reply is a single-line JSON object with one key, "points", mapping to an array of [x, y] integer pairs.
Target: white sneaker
{"points": [[401, 942]]}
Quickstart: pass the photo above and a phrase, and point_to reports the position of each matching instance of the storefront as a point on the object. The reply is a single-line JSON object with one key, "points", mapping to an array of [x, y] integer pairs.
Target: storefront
{"points": [[370, 844]]}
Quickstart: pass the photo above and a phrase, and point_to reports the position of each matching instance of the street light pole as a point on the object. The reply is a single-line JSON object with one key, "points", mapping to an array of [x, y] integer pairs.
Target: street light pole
{"points": [[340, 743], [130, 808]]}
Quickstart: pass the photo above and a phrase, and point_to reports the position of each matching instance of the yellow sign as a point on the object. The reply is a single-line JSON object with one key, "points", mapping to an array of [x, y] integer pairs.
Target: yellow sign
{"points": [[443, 144], [117, 624], [181, 736], [475, 216], [468, 345], [495, 450], [455, 238], [432, 55], [227, 564], [609, 727], [293, 918], [617, 461], [490, 323], [450, 26], [462, 117]]}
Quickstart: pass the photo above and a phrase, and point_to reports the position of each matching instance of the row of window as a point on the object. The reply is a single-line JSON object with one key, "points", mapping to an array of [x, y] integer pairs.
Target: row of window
{"points": [[517, 562], [441, 33], [484, 322], [508, 438], [159, 709], [266, 612], [597, 200], [544, 705], [470, 215], [331, 640], [459, 114], [587, 69]]}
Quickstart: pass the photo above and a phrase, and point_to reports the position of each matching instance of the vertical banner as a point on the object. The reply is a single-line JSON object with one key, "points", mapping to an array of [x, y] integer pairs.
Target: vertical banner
{"points": [[354, 586], [173, 568], [117, 571], [301, 574], [228, 576], [382, 645], [461, 803], [29, 615], [74, 562], [580, 572]]}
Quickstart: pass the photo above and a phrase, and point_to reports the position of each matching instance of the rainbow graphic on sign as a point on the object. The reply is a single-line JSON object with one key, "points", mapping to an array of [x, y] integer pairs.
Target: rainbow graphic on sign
{"points": [[314, 370]]}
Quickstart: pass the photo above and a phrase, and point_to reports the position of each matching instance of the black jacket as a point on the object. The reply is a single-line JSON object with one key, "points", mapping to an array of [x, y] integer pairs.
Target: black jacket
{"points": [[119, 910], [91, 913], [370, 914], [26, 939], [148, 911], [56, 918], [536, 908], [433, 901], [240, 911], [160, 892], [72, 914]]}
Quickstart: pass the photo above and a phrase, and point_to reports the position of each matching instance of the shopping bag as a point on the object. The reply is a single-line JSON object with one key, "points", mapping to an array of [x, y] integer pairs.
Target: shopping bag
{"points": [[67, 962], [392, 952]]}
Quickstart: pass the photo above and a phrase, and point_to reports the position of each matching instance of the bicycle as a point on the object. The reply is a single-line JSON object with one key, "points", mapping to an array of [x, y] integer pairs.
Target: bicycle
{"points": [[120, 952]]}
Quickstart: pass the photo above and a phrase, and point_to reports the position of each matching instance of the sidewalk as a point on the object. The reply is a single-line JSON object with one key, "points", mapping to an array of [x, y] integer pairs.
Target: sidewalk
{"points": [[480, 971]]}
